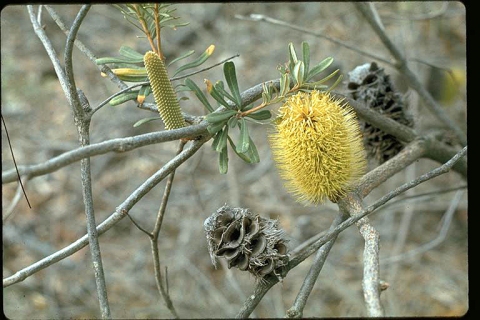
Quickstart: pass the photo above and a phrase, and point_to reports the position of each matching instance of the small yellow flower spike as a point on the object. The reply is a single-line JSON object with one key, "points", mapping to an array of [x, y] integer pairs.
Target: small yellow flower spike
{"points": [[318, 147], [167, 103]]}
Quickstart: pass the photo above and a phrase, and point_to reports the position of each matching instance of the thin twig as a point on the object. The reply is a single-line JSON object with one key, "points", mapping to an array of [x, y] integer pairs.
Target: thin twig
{"points": [[154, 239], [447, 219], [117, 145], [16, 170], [8, 212], [296, 311], [72, 94], [115, 217], [47, 44], [264, 18], [82, 121], [421, 16], [413, 81]]}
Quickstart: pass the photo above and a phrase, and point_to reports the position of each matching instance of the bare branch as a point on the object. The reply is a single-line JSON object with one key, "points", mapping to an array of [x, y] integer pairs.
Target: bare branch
{"points": [[264, 18], [154, 240], [49, 49], [409, 154], [354, 205], [71, 93], [413, 81], [296, 311], [115, 217], [8, 212], [118, 145], [447, 219]]}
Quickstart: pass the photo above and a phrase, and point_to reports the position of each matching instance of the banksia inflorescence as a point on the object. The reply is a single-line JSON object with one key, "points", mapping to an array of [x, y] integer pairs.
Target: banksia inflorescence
{"points": [[167, 103], [369, 84], [317, 146], [246, 240]]}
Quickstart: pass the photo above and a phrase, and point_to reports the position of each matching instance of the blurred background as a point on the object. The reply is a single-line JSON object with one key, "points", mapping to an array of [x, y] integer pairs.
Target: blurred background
{"points": [[432, 282]]}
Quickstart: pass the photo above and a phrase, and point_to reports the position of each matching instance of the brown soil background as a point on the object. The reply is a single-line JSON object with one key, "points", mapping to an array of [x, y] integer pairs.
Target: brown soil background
{"points": [[434, 283]]}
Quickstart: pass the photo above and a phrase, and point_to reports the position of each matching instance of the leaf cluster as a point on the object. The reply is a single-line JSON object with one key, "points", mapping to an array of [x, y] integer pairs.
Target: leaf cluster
{"points": [[228, 118], [297, 75], [129, 67], [145, 15]]}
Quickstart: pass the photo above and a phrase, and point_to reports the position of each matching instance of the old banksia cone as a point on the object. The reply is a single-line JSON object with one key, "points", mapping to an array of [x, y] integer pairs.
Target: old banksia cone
{"points": [[317, 146], [246, 240], [165, 98]]}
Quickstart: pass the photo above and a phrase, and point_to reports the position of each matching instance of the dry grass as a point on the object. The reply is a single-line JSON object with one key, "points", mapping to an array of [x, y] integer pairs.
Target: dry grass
{"points": [[434, 283]]}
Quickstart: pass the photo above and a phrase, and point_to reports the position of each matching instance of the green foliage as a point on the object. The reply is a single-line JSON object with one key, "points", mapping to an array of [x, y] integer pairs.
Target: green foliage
{"points": [[138, 14]]}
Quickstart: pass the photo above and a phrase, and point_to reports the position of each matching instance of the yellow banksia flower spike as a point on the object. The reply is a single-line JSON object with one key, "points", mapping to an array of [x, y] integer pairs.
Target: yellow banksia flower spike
{"points": [[318, 147], [165, 97]]}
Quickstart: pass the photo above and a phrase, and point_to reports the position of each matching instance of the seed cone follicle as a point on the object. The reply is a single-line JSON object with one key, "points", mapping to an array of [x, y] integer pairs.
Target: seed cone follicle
{"points": [[317, 146]]}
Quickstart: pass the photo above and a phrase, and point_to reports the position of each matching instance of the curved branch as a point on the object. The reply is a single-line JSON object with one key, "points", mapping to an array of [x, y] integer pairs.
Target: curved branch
{"points": [[120, 212], [118, 145]]}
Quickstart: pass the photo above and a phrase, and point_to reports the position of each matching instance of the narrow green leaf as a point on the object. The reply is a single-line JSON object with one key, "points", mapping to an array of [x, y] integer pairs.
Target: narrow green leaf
{"points": [[221, 89], [131, 54], [243, 144], [220, 116], [292, 56], [183, 56], [106, 60], [243, 156], [196, 90], [143, 93], [223, 161], [145, 120], [195, 63], [320, 67], [266, 95], [299, 72], [124, 97], [231, 78], [260, 115], [339, 79], [218, 96], [222, 142], [284, 84], [306, 56], [215, 127], [247, 107], [216, 139], [252, 152], [232, 122], [321, 81]]}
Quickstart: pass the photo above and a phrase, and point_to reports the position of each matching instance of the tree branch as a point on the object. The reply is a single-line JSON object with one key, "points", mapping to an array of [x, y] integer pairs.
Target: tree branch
{"points": [[163, 290], [115, 217], [296, 311], [413, 81], [354, 205], [47, 44], [118, 145]]}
